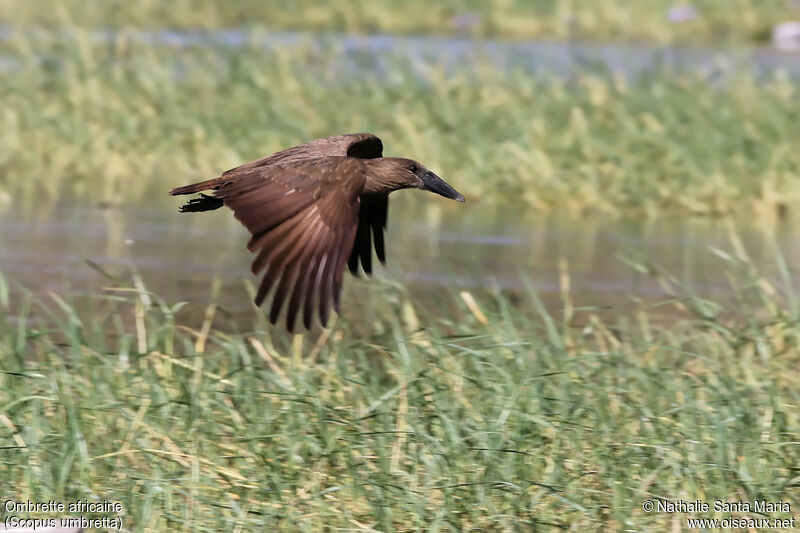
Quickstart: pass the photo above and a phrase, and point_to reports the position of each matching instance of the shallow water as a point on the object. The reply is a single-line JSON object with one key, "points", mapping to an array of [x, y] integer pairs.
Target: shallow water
{"points": [[378, 54], [451, 52], [440, 244]]}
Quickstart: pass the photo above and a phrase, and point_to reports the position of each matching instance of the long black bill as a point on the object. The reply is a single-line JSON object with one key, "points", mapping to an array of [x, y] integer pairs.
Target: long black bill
{"points": [[432, 182]]}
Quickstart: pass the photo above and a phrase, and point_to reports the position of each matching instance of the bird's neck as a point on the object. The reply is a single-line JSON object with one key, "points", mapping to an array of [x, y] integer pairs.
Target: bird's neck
{"points": [[384, 176]]}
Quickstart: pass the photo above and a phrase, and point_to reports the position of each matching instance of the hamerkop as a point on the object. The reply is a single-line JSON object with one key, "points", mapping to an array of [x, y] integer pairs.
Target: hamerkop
{"points": [[311, 209]]}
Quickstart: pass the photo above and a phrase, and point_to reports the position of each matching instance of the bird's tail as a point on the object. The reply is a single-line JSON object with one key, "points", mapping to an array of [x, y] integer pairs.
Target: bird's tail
{"points": [[196, 187]]}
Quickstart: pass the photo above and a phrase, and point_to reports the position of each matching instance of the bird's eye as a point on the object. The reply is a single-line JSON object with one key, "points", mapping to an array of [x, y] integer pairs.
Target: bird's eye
{"points": [[413, 169]]}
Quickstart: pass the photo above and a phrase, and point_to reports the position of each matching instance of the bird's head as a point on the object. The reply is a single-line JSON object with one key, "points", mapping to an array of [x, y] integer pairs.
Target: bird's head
{"points": [[392, 173]]}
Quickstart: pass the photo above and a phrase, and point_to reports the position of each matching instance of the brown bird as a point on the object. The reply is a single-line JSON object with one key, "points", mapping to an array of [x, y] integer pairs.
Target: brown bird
{"points": [[311, 209]]}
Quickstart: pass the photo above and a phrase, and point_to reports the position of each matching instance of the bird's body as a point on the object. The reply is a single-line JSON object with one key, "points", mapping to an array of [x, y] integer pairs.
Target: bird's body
{"points": [[311, 209]]}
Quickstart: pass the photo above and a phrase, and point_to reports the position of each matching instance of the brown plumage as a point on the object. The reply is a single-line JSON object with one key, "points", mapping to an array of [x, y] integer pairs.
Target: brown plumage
{"points": [[312, 209]]}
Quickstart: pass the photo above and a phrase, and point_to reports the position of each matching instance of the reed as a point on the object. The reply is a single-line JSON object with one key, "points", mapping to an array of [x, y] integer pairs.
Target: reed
{"points": [[477, 414], [122, 121]]}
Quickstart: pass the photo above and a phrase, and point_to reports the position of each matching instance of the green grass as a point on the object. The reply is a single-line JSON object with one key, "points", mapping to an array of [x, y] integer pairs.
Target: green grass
{"points": [[123, 122], [642, 20], [472, 415]]}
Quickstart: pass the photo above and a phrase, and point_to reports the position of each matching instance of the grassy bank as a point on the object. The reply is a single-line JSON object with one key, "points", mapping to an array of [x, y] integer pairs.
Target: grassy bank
{"points": [[124, 121], [471, 415], [647, 20]]}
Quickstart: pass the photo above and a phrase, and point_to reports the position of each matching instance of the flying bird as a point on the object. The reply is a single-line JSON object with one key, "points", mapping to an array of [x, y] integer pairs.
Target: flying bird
{"points": [[311, 209]]}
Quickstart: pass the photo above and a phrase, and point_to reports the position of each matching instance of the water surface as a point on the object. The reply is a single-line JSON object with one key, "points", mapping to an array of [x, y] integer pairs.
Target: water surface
{"points": [[431, 246], [378, 55]]}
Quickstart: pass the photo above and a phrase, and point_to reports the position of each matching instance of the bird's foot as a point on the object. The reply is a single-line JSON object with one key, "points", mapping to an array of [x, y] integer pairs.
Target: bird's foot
{"points": [[204, 203]]}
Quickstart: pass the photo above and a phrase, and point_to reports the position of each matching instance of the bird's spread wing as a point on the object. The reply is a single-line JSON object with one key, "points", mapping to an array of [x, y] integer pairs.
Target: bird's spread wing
{"points": [[303, 217], [371, 220], [360, 145]]}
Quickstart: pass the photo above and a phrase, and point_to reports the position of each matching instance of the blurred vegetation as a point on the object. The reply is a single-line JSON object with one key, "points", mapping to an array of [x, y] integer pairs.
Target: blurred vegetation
{"points": [[660, 21], [469, 415], [120, 120]]}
